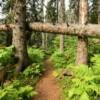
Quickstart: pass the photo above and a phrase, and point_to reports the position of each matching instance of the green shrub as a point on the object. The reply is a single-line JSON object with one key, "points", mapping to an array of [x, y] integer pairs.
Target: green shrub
{"points": [[16, 91], [94, 46], [59, 60], [3, 37], [33, 70], [6, 55], [70, 49], [31, 74], [69, 55], [36, 55], [96, 64], [84, 84]]}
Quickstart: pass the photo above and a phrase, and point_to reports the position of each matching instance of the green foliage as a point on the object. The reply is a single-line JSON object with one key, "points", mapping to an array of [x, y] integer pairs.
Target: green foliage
{"points": [[55, 43], [94, 48], [22, 87], [36, 55], [33, 70], [59, 60], [96, 64], [84, 84], [16, 91], [2, 38], [31, 74], [69, 55], [6, 55], [69, 48]]}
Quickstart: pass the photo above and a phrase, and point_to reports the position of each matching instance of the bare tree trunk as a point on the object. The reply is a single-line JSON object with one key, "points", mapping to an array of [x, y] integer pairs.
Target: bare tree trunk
{"points": [[43, 40], [98, 10], [98, 14], [57, 7], [62, 20], [44, 36], [61, 43], [89, 30], [82, 47], [19, 35]]}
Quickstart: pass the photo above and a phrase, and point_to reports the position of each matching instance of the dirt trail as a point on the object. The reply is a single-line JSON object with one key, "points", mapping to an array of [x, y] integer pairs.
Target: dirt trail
{"points": [[47, 87]]}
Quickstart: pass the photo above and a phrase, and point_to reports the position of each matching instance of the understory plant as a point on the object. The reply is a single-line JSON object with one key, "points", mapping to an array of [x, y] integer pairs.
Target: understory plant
{"points": [[36, 55], [6, 56], [16, 90], [32, 73], [84, 83], [59, 60], [21, 88]]}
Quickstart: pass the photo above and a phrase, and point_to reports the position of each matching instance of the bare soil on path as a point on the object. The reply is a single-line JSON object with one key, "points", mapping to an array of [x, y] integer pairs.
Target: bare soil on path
{"points": [[47, 87]]}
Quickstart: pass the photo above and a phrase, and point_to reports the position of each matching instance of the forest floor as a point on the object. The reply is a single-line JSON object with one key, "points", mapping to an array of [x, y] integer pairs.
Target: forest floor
{"points": [[47, 87]]}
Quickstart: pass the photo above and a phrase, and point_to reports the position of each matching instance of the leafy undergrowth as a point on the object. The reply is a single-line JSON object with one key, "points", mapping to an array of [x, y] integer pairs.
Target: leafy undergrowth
{"points": [[21, 88], [6, 56], [77, 82], [16, 90], [80, 82]]}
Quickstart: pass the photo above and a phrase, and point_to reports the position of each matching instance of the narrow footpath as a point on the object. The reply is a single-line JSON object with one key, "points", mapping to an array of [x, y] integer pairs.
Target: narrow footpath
{"points": [[47, 87]]}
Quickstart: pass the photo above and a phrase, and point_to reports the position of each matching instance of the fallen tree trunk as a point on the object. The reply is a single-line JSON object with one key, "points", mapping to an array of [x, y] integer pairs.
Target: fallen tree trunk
{"points": [[91, 30], [73, 29], [6, 27]]}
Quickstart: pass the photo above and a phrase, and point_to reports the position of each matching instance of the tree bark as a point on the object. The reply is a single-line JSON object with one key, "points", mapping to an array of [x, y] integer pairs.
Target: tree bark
{"points": [[89, 30], [98, 10], [19, 35], [61, 19], [44, 40], [6, 27], [82, 47]]}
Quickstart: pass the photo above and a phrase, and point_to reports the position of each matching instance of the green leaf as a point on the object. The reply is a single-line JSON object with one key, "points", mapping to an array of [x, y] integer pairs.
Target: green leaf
{"points": [[84, 96]]}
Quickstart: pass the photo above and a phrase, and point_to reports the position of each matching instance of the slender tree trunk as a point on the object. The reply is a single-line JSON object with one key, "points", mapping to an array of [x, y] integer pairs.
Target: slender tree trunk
{"points": [[19, 35], [98, 14], [43, 41], [98, 10], [62, 20], [57, 7], [82, 47], [61, 43], [44, 36]]}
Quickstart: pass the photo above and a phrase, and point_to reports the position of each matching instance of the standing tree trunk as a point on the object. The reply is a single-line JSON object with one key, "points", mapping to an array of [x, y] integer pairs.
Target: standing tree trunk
{"points": [[44, 36], [62, 20], [19, 35], [98, 14], [98, 10], [82, 47], [57, 7]]}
